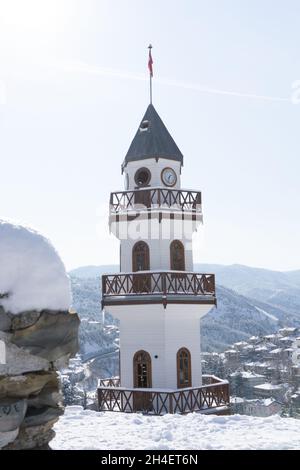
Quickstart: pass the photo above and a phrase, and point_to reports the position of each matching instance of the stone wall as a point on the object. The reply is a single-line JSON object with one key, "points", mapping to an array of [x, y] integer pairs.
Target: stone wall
{"points": [[33, 346]]}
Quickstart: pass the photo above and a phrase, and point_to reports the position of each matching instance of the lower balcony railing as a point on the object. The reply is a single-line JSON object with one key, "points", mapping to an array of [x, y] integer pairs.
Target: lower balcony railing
{"points": [[161, 283], [213, 397], [111, 382]]}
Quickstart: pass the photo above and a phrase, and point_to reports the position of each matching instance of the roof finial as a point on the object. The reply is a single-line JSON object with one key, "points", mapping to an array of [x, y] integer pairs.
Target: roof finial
{"points": [[150, 63]]}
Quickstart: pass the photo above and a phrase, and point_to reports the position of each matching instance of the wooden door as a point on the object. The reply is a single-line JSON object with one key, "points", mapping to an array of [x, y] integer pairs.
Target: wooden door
{"points": [[141, 262], [142, 377]]}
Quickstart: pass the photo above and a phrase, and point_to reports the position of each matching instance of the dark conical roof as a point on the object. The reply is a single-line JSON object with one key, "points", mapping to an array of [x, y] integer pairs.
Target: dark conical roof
{"points": [[152, 140]]}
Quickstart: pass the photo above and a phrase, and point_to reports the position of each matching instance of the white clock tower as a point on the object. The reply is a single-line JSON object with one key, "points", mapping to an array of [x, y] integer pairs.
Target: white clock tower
{"points": [[157, 296]]}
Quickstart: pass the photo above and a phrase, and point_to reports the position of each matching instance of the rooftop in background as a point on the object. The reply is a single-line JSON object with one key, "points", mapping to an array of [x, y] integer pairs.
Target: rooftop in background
{"points": [[152, 140]]}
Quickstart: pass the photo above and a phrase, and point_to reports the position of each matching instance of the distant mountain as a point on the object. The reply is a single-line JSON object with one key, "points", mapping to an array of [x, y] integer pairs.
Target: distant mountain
{"points": [[294, 276], [236, 318], [247, 280], [279, 289], [84, 272]]}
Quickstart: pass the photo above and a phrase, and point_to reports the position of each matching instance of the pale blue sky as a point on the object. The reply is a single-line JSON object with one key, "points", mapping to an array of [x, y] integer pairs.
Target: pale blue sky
{"points": [[73, 88]]}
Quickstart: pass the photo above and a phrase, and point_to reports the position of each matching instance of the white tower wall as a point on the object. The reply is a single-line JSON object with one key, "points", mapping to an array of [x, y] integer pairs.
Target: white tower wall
{"points": [[161, 332], [159, 254]]}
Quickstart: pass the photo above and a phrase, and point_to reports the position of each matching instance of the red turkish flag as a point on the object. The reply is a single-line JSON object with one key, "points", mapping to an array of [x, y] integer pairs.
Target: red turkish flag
{"points": [[150, 63]]}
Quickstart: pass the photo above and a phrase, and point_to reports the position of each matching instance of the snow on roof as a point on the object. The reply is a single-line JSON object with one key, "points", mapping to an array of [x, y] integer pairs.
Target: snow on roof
{"points": [[32, 275], [241, 343], [237, 400], [260, 401], [276, 351], [268, 401], [288, 329], [268, 386], [246, 374], [256, 364], [261, 348], [270, 345]]}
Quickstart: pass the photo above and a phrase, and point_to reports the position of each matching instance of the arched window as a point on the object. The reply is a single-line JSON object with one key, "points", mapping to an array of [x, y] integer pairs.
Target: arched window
{"points": [[142, 374], [184, 369], [177, 261], [140, 257], [141, 262]]}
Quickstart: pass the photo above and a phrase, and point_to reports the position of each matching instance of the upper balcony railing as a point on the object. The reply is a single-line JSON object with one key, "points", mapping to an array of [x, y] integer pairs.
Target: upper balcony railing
{"points": [[163, 283], [155, 198]]}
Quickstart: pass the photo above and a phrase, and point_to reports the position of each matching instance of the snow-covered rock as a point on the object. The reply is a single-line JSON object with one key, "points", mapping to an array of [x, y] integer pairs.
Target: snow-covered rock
{"points": [[38, 334], [32, 275], [90, 430]]}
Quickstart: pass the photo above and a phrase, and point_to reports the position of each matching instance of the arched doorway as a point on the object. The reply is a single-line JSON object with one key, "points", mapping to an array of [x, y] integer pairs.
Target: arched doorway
{"points": [[142, 378], [142, 374], [184, 368], [141, 262], [177, 261]]}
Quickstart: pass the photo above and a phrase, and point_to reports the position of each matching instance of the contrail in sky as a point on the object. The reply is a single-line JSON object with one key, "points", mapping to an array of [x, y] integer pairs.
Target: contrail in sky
{"points": [[82, 67]]}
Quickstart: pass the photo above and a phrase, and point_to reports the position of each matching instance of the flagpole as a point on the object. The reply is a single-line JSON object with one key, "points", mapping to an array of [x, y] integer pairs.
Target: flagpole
{"points": [[150, 73]]}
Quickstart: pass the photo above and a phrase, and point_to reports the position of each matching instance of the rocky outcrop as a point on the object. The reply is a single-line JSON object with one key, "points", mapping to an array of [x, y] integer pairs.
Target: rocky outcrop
{"points": [[33, 345]]}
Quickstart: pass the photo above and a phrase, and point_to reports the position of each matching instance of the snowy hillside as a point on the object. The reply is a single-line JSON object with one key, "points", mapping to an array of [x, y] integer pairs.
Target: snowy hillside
{"points": [[95, 335], [236, 318], [279, 289], [89, 430]]}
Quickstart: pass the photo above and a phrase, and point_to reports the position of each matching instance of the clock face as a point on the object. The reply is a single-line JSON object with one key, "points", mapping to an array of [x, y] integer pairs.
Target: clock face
{"points": [[168, 177]]}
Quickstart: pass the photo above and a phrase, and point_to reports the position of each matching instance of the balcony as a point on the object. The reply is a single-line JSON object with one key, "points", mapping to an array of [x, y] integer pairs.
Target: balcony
{"points": [[160, 287], [212, 397], [155, 198]]}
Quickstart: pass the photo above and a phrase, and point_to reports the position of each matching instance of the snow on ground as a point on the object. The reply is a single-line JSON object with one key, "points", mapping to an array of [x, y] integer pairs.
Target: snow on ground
{"points": [[79, 429], [31, 272]]}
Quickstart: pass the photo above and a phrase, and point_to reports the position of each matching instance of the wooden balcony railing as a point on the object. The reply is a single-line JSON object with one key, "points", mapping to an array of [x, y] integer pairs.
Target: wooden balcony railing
{"points": [[157, 402], [110, 382], [158, 283], [155, 198]]}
